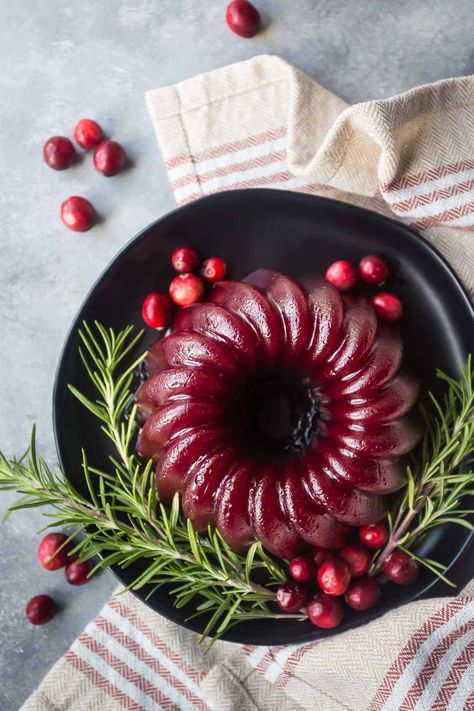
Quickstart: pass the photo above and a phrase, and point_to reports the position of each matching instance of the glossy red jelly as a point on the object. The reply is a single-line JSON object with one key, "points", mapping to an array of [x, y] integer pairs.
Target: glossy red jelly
{"points": [[278, 409]]}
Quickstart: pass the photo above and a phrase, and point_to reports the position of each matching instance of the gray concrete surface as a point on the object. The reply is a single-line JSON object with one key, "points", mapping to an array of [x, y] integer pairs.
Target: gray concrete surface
{"points": [[61, 60]]}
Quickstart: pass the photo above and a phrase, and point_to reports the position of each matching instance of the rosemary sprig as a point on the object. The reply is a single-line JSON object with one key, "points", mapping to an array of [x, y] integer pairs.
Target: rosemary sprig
{"points": [[124, 522], [442, 477]]}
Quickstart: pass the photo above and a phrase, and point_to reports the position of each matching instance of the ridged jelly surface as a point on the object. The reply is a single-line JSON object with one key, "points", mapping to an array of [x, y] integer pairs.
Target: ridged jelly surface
{"points": [[279, 410]]}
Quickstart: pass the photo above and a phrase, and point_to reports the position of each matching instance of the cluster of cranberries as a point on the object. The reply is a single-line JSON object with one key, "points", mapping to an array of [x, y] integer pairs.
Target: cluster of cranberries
{"points": [[373, 271], [54, 554], [320, 579], [185, 289], [77, 213]]}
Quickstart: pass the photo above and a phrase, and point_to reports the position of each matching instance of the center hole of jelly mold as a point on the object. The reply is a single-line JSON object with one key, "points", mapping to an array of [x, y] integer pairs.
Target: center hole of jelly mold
{"points": [[279, 413]]}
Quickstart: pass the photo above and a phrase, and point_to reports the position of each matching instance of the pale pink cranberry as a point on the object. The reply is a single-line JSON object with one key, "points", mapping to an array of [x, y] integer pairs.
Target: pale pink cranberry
{"points": [[88, 133], [243, 18], [156, 310], [40, 609], [375, 535], [387, 306], [342, 275], [58, 152], [334, 576], [325, 611], [373, 270], [78, 214], [49, 555], [401, 568], [363, 594], [186, 289], [110, 158]]}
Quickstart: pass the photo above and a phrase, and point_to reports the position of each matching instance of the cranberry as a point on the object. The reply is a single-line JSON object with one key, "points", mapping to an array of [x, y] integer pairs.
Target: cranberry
{"points": [[78, 214], [401, 568], [185, 259], [76, 573], [320, 555], [373, 270], [110, 158], [357, 558], [301, 569], [88, 133], [375, 535], [40, 609], [363, 593], [156, 310], [242, 18], [58, 152], [214, 269], [325, 611], [291, 596], [387, 306], [48, 554], [186, 289], [342, 275], [334, 576]]}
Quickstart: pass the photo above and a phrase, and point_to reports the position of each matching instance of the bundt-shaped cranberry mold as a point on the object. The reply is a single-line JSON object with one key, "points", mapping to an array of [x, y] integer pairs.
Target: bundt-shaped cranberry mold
{"points": [[278, 409]]}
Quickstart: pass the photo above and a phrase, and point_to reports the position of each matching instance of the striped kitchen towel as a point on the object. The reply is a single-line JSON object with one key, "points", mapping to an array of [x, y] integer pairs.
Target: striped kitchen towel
{"points": [[262, 123]]}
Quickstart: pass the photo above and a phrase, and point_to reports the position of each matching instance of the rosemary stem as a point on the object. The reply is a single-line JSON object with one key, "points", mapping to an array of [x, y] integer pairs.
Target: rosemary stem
{"points": [[401, 529]]}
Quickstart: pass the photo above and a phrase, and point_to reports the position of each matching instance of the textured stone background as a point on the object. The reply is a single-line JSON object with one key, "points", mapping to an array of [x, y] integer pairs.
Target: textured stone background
{"points": [[61, 60]]}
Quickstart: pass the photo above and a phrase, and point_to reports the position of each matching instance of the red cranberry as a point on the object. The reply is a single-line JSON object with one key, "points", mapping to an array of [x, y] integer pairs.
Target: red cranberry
{"points": [[320, 555], [109, 158], [156, 310], [58, 152], [291, 596], [186, 289], [87, 133], [375, 535], [214, 269], [301, 569], [242, 18], [78, 214], [387, 306], [76, 573], [357, 558], [325, 611], [373, 270], [334, 576], [48, 554], [40, 609], [401, 568], [342, 275], [185, 259], [363, 593]]}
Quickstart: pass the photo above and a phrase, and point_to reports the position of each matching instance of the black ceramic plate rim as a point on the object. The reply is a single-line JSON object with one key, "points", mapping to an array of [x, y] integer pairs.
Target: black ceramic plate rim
{"points": [[60, 380]]}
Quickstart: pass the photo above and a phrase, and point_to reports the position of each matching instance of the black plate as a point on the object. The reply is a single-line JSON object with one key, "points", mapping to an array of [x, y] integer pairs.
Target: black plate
{"points": [[294, 233]]}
